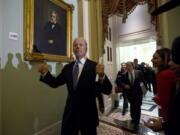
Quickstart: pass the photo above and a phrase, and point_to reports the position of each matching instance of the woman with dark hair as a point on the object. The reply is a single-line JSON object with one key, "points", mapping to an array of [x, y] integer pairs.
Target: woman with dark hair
{"points": [[171, 127], [166, 81]]}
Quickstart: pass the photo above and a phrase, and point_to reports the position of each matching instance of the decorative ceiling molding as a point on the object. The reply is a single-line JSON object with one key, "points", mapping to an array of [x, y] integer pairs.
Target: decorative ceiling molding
{"points": [[123, 8]]}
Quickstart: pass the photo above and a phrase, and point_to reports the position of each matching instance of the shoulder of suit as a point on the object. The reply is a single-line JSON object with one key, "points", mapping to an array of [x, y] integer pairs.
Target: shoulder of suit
{"points": [[139, 71], [69, 64], [91, 62], [125, 73]]}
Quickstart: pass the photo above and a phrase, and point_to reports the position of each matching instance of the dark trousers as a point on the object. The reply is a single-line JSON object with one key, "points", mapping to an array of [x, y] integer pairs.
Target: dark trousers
{"points": [[125, 102], [135, 107], [135, 110], [74, 129]]}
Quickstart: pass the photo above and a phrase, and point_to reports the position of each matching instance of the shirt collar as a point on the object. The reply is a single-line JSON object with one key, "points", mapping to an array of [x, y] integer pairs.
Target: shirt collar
{"points": [[82, 60]]}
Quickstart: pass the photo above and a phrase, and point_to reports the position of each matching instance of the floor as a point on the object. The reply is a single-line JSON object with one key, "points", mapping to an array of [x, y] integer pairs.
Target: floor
{"points": [[109, 124], [148, 109]]}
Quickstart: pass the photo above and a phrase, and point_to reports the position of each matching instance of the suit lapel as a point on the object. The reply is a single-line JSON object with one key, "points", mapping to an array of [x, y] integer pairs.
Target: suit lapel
{"points": [[127, 78], [71, 73], [84, 71], [135, 76]]}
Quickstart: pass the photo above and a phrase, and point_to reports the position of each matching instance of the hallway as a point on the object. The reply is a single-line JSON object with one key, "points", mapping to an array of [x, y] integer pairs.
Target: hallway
{"points": [[113, 123]]}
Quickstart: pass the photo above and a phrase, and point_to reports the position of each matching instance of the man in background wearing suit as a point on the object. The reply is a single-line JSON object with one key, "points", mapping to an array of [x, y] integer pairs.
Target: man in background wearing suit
{"points": [[80, 112], [131, 82]]}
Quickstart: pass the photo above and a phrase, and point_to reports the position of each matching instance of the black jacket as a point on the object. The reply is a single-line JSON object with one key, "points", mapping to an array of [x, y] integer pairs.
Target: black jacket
{"points": [[81, 102]]}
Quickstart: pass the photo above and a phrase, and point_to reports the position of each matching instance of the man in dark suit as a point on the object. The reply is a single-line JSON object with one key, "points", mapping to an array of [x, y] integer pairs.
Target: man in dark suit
{"points": [[52, 39], [118, 83], [132, 81], [80, 112]]}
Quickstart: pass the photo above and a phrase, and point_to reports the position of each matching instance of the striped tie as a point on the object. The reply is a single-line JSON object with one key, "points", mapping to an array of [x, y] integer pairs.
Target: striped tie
{"points": [[75, 74], [131, 78]]}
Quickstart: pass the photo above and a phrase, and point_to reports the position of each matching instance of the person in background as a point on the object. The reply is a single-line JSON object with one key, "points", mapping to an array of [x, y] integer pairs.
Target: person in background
{"points": [[118, 83], [166, 80], [136, 65], [151, 79], [171, 126], [131, 83], [174, 109], [80, 114]]}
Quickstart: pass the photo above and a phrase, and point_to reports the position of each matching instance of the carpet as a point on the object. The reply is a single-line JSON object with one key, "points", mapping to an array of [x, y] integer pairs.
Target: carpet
{"points": [[116, 114], [107, 129], [116, 119]]}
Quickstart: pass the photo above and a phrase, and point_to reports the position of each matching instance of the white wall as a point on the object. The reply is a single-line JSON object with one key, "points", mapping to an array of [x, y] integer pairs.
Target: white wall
{"points": [[142, 50], [138, 20], [138, 25], [12, 22]]}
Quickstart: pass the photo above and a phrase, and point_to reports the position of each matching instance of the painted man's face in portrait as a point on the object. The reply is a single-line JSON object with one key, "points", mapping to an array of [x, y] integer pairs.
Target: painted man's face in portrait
{"points": [[53, 17]]}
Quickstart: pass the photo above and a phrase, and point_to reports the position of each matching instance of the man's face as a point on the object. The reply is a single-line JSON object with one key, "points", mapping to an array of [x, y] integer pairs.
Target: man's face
{"points": [[79, 48], [129, 66], [157, 61], [53, 17], [123, 67]]}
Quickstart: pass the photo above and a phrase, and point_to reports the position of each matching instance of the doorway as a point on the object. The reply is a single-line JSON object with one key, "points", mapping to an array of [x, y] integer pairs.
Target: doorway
{"points": [[140, 49]]}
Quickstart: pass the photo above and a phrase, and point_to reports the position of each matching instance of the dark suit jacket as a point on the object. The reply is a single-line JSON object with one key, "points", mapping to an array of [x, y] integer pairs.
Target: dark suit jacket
{"points": [[58, 47], [81, 102], [172, 127], [135, 91]]}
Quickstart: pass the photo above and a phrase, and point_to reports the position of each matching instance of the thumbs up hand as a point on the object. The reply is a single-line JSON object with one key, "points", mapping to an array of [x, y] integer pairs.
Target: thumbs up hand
{"points": [[43, 68]]}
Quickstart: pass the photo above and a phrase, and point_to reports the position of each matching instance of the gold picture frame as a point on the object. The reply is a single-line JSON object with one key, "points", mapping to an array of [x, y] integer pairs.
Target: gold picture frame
{"points": [[47, 30]]}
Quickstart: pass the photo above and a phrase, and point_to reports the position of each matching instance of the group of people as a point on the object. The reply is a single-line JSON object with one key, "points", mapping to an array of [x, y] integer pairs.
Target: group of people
{"points": [[131, 81], [167, 82], [148, 82], [149, 75], [83, 89]]}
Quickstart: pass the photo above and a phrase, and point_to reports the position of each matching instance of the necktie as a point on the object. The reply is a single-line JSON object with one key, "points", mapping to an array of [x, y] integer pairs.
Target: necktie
{"points": [[75, 74], [131, 78]]}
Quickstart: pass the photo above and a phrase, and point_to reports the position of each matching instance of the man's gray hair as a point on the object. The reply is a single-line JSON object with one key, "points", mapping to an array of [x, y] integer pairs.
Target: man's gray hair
{"points": [[82, 39]]}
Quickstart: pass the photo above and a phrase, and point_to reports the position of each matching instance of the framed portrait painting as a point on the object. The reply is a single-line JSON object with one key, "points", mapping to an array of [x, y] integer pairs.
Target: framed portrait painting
{"points": [[48, 30]]}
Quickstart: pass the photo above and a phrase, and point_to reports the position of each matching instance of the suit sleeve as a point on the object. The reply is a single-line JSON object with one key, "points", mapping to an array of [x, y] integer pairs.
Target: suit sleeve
{"points": [[52, 81], [122, 80], [142, 77], [105, 86]]}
